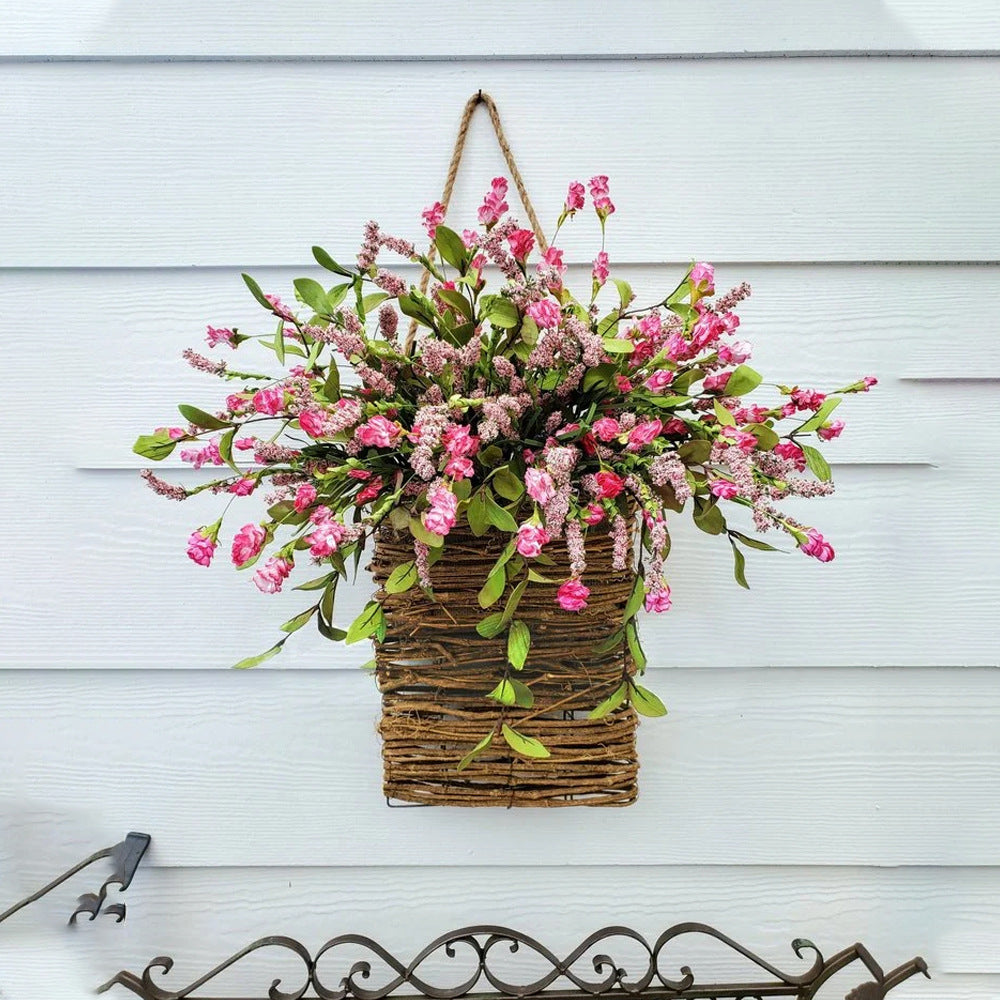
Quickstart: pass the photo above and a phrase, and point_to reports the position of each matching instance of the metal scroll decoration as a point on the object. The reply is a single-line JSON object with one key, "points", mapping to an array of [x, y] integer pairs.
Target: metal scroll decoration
{"points": [[125, 858], [474, 947]]}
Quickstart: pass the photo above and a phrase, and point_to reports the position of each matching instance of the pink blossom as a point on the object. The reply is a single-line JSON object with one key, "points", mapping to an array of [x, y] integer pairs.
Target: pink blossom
{"points": [[459, 441], [433, 217], [574, 198], [324, 540], [869, 382], [522, 242], [644, 433], [370, 492], [609, 484], [658, 599], [530, 539], [273, 574], [600, 193], [243, 487], [703, 278], [743, 440], [201, 546], [623, 384], [807, 399], [493, 205], [659, 380], [270, 401], [245, 444], [554, 258], [221, 335], [320, 514], [174, 433], [593, 514], [724, 489], [606, 428], [440, 517], [572, 596], [830, 430], [361, 474], [313, 422], [200, 456], [676, 426], [717, 383], [279, 307], [247, 544], [817, 546], [545, 313], [601, 269], [470, 237], [735, 353], [792, 452], [305, 496], [540, 486], [377, 432], [459, 468]]}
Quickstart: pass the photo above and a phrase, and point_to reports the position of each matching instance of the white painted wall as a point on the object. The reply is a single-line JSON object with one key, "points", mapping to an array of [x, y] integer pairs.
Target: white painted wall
{"points": [[831, 766]]}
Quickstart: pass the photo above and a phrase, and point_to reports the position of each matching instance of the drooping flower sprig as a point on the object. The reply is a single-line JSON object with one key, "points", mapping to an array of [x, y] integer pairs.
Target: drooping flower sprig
{"points": [[524, 410]]}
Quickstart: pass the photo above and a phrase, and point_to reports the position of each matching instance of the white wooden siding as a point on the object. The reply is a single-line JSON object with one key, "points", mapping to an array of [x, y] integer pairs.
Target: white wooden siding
{"points": [[149, 154]]}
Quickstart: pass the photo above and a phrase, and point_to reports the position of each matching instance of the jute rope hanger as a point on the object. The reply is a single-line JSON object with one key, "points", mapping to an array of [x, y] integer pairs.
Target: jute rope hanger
{"points": [[456, 158]]}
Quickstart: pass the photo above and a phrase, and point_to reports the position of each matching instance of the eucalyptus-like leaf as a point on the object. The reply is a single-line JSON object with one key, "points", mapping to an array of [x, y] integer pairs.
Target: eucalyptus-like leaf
{"points": [[527, 746], [645, 702]]}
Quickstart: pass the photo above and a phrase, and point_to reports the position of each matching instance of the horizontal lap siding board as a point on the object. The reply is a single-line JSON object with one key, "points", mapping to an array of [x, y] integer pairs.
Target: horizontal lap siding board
{"points": [[404, 909], [888, 767], [107, 585], [811, 159], [434, 29]]}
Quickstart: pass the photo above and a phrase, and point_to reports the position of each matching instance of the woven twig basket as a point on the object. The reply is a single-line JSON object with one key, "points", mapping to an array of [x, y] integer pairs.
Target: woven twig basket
{"points": [[434, 671]]}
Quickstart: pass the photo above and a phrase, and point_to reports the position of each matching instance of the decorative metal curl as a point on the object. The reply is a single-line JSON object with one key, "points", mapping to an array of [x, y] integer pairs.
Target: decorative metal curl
{"points": [[125, 857], [561, 982]]}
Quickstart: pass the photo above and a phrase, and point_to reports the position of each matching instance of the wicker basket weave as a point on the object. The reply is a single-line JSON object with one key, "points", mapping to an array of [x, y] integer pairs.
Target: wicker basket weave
{"points": [[434, 671]]}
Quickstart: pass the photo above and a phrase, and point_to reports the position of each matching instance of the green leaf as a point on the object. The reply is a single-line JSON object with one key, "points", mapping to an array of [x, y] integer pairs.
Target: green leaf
{"points": [[766, 438], [318, 584], [686, 312], [527, 746], [202, 419], [611, 642], [819, 417], [513, 601], [373, 301], [401, 578], [476, 514], [518, 644], [722, 414], [451, 248], [507, 484], [635, 647], [610, 703], [331, 387], [613, 346], [601, 375], [739, 565], [491, 626], [478, 749], [253, 661], [753, 543], [279, 341], [743, 380], [818, 465], [325, 260], [226, 448], [410, 305], [490, 455], [635, 599], [502, 313], [313, 294], [666, 401], [646, 703], [624, 291], [294, 624], [456, 300], [608, 322], [399, 518], [503, 693], [524, 697], [255, 290], [498, 516], [494, 587], [695, 452], [708, 517], [154, 446], [421, 534], [366, 623]]}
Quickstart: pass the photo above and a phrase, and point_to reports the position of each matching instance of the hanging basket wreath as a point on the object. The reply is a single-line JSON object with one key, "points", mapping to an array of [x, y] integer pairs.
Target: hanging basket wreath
{"points": [[516, 460]]}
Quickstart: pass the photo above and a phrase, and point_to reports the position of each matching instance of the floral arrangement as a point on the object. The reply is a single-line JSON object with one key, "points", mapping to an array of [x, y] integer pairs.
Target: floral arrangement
{"points": [[527, 410]]}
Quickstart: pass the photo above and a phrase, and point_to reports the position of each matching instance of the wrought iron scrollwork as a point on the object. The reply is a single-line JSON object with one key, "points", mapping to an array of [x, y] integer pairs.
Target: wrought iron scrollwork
{"points": [[124, 856], [473, 950]]}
